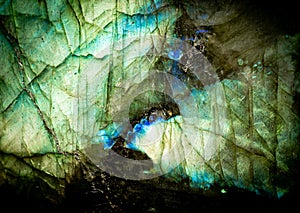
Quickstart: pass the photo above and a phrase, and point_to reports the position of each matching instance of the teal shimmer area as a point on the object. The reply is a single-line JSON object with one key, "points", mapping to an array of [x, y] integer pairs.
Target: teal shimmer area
{"points": [[108, 135], [199, 161], [202, 179]]}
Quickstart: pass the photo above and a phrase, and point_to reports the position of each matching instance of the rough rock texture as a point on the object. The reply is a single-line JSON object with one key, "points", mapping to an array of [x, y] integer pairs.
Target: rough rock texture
{"points": [[67, 66]]}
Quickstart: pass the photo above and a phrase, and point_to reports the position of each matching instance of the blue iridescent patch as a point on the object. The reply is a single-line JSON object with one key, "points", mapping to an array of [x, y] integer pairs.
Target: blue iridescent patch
{"points": [[201, 31], [202, 179], [108, 135], [175, 54], [141, 129]]}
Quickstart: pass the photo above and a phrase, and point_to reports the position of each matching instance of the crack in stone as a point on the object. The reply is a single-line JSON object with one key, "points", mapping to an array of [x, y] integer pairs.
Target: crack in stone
{"points": [[23, 160], [49, 130]]}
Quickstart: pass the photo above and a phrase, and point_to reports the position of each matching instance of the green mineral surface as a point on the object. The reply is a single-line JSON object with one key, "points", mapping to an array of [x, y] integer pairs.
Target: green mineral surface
{"points": [[71, 68]]}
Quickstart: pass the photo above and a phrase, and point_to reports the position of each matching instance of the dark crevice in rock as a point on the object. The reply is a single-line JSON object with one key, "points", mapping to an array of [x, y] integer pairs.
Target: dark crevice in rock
{"points": [[92, 190], [120, 149], [145, 104], [149, 105]]}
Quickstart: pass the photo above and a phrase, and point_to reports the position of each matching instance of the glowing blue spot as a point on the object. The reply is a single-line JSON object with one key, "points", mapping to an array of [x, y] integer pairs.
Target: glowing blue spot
{"points": [[108, 135], [202, 180], [140, 130], [131, 145], [201, 31], [144, 121], [175, 54], [108, 143], [101, 133]]}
